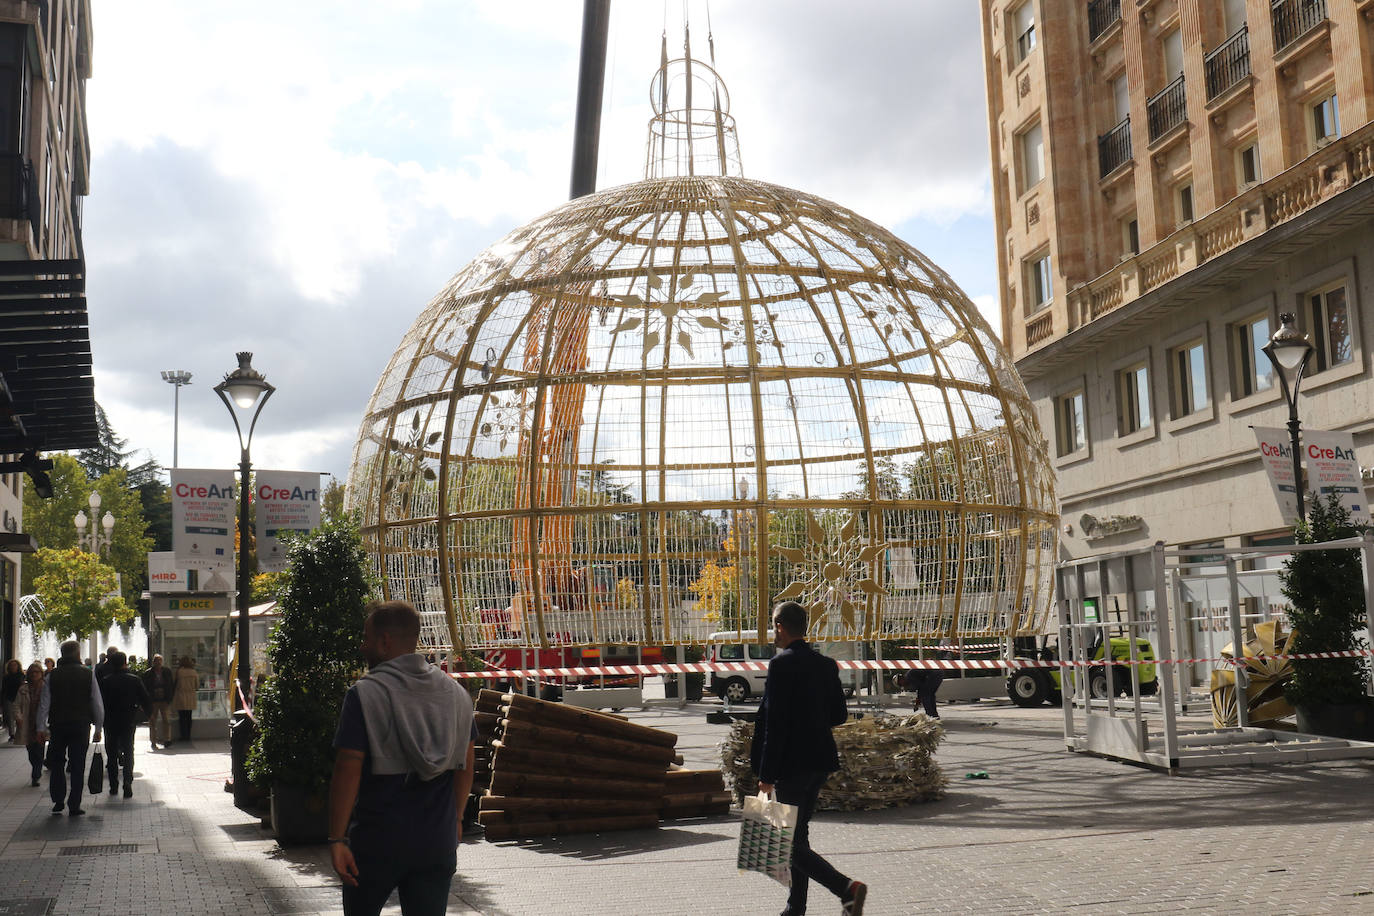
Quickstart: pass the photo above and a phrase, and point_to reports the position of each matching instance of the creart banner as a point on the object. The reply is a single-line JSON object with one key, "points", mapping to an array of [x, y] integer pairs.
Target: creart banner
{"points": [[286, 502], [1333, 468], [1277, 454], [203, 521]]}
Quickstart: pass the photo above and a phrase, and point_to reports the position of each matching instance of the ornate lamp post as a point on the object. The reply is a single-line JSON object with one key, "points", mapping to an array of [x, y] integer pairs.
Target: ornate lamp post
{"points": [[242, 389], [176, 377], [93, 541], [1290, 351]]}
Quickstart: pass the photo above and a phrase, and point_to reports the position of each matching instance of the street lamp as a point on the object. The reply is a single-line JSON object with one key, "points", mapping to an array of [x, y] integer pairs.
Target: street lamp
{"points": [[242, 388], [1290, 351], [177, 377], [93, 542]]}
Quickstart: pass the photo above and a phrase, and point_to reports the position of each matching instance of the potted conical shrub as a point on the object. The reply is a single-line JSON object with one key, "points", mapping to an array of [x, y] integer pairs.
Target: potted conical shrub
{"points": [[315, 658], [1325, 589]]}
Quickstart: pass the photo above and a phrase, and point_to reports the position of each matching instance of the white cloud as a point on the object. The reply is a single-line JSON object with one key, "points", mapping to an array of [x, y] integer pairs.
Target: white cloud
{"points": [[299, 180]]}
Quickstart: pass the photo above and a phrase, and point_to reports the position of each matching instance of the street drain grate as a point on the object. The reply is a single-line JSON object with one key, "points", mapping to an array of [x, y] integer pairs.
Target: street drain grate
{"points": [[109, 849], [28, 906]]}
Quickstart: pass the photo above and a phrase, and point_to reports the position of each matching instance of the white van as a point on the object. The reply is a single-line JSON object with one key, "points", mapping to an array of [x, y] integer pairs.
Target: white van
{"points": [[737, 686]]}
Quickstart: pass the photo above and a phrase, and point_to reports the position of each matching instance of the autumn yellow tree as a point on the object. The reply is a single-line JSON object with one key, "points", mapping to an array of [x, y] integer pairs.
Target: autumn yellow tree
{"points": [[717, 589]]}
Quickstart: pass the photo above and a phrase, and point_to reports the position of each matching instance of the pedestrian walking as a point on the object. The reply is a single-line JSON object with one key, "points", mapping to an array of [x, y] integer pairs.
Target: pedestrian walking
{"points": [[9, 693], [30, 694], [186, 683], [159, 683], [102, 665], [124, 695], [69, 707], [402, 773], [794, 752]]}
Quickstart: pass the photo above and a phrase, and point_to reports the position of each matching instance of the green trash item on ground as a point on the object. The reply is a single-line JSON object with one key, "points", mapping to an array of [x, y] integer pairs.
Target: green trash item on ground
{"points": [[977, 774]]}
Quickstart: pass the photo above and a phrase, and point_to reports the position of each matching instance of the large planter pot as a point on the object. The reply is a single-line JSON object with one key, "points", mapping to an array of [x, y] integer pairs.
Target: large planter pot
{"points": [[696, 685], [1353, 721], [299, 817]]}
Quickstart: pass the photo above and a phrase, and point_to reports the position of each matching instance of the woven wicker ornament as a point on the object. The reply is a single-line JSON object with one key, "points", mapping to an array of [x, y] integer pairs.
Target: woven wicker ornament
{"points": [[651, 413]]}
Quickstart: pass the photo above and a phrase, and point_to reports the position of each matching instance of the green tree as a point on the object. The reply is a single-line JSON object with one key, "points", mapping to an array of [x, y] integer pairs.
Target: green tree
{"points": [[1326, 591], [76, 591], [314, 651], [108, 453], [332, 500], [50, 521]]}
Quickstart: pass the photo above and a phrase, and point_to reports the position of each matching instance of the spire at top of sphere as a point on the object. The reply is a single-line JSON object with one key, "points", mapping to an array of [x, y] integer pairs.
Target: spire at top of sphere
{"points": [[692, 131]]}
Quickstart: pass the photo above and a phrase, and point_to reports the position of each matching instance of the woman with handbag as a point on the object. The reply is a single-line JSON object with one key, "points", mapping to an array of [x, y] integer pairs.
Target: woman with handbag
{"points": [[26, 704], [187, 682]]}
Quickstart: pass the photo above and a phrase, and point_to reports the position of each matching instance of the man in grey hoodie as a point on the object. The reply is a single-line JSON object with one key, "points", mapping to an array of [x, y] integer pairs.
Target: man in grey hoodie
{"points": [[402, 773]]}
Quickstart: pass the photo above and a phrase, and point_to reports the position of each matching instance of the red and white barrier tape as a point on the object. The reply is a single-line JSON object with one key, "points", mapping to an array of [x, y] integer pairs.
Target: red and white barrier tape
{"points": [[896, 664]]}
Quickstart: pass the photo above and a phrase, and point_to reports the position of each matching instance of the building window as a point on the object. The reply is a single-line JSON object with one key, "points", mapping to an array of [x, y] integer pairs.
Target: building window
{"points": [[1326, 121], [1121, 98], [1133, 398], [1188, 369], [1130, 236], [1039, 285], [1173, 55], [1329, 315], [1250, 367], [1023, 27], [1070, 423], [1032, 157], [1247, 166], [1183, 200]]}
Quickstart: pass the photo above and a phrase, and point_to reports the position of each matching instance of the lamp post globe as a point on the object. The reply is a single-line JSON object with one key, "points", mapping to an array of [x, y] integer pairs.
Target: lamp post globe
{"points": [[1289, 351]]}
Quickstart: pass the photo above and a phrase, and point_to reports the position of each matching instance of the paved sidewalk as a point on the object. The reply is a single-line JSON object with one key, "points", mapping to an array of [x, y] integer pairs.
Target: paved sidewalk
{"points": [[1047, 832]]}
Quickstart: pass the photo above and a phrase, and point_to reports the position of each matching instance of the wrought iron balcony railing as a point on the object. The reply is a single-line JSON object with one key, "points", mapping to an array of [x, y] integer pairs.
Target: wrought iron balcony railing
{"points": [[1229, 63], [1167, 109], [1294, 19], [1114, 147], [1102, 14]]}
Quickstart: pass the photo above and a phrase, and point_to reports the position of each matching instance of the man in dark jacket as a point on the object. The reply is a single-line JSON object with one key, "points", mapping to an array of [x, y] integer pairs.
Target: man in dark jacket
{"points": [[160, 685], [70, 705], [793, 751], [124, 695]]}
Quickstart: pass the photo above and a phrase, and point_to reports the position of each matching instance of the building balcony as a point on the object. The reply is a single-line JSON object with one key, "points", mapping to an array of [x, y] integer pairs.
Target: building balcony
{"points": [[1102, 15], [1294, 19], [1167, 109], [1114, 148], [1228, 64], [1325, 174]]}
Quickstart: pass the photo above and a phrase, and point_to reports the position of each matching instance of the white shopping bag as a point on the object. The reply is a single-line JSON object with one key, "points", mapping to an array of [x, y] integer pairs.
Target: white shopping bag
{"points": [[765, 838]]}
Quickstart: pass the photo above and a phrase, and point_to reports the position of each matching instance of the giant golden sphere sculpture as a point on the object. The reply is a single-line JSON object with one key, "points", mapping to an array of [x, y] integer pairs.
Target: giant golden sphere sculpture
{"points": [[649, 414]]}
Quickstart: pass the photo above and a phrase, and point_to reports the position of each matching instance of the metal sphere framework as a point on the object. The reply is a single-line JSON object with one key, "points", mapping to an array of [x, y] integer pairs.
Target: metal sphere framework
{"points": [[653, 412]]}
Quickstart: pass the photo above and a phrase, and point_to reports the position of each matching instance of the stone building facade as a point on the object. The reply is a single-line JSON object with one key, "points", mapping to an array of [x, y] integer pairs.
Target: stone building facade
{"points": [[45, 156], [1170, 176]]}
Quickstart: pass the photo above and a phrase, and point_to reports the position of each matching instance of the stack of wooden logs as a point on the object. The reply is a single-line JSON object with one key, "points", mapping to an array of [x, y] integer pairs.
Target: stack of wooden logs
{"points": [[549, 769]]}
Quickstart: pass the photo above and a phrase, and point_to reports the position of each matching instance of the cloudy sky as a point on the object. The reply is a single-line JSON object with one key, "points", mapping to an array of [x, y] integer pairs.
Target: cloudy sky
{"points": [[298, 179]]}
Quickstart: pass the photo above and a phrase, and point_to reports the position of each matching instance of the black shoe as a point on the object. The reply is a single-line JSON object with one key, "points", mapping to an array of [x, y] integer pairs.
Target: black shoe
{"points": [[114, 790], [57, 808], [76, 812], [128, 791], [35, 782], [852, 902]]}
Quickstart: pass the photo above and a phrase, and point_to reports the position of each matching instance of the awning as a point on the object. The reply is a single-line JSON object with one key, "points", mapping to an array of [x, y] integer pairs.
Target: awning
{"points": [[47, 392]]}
